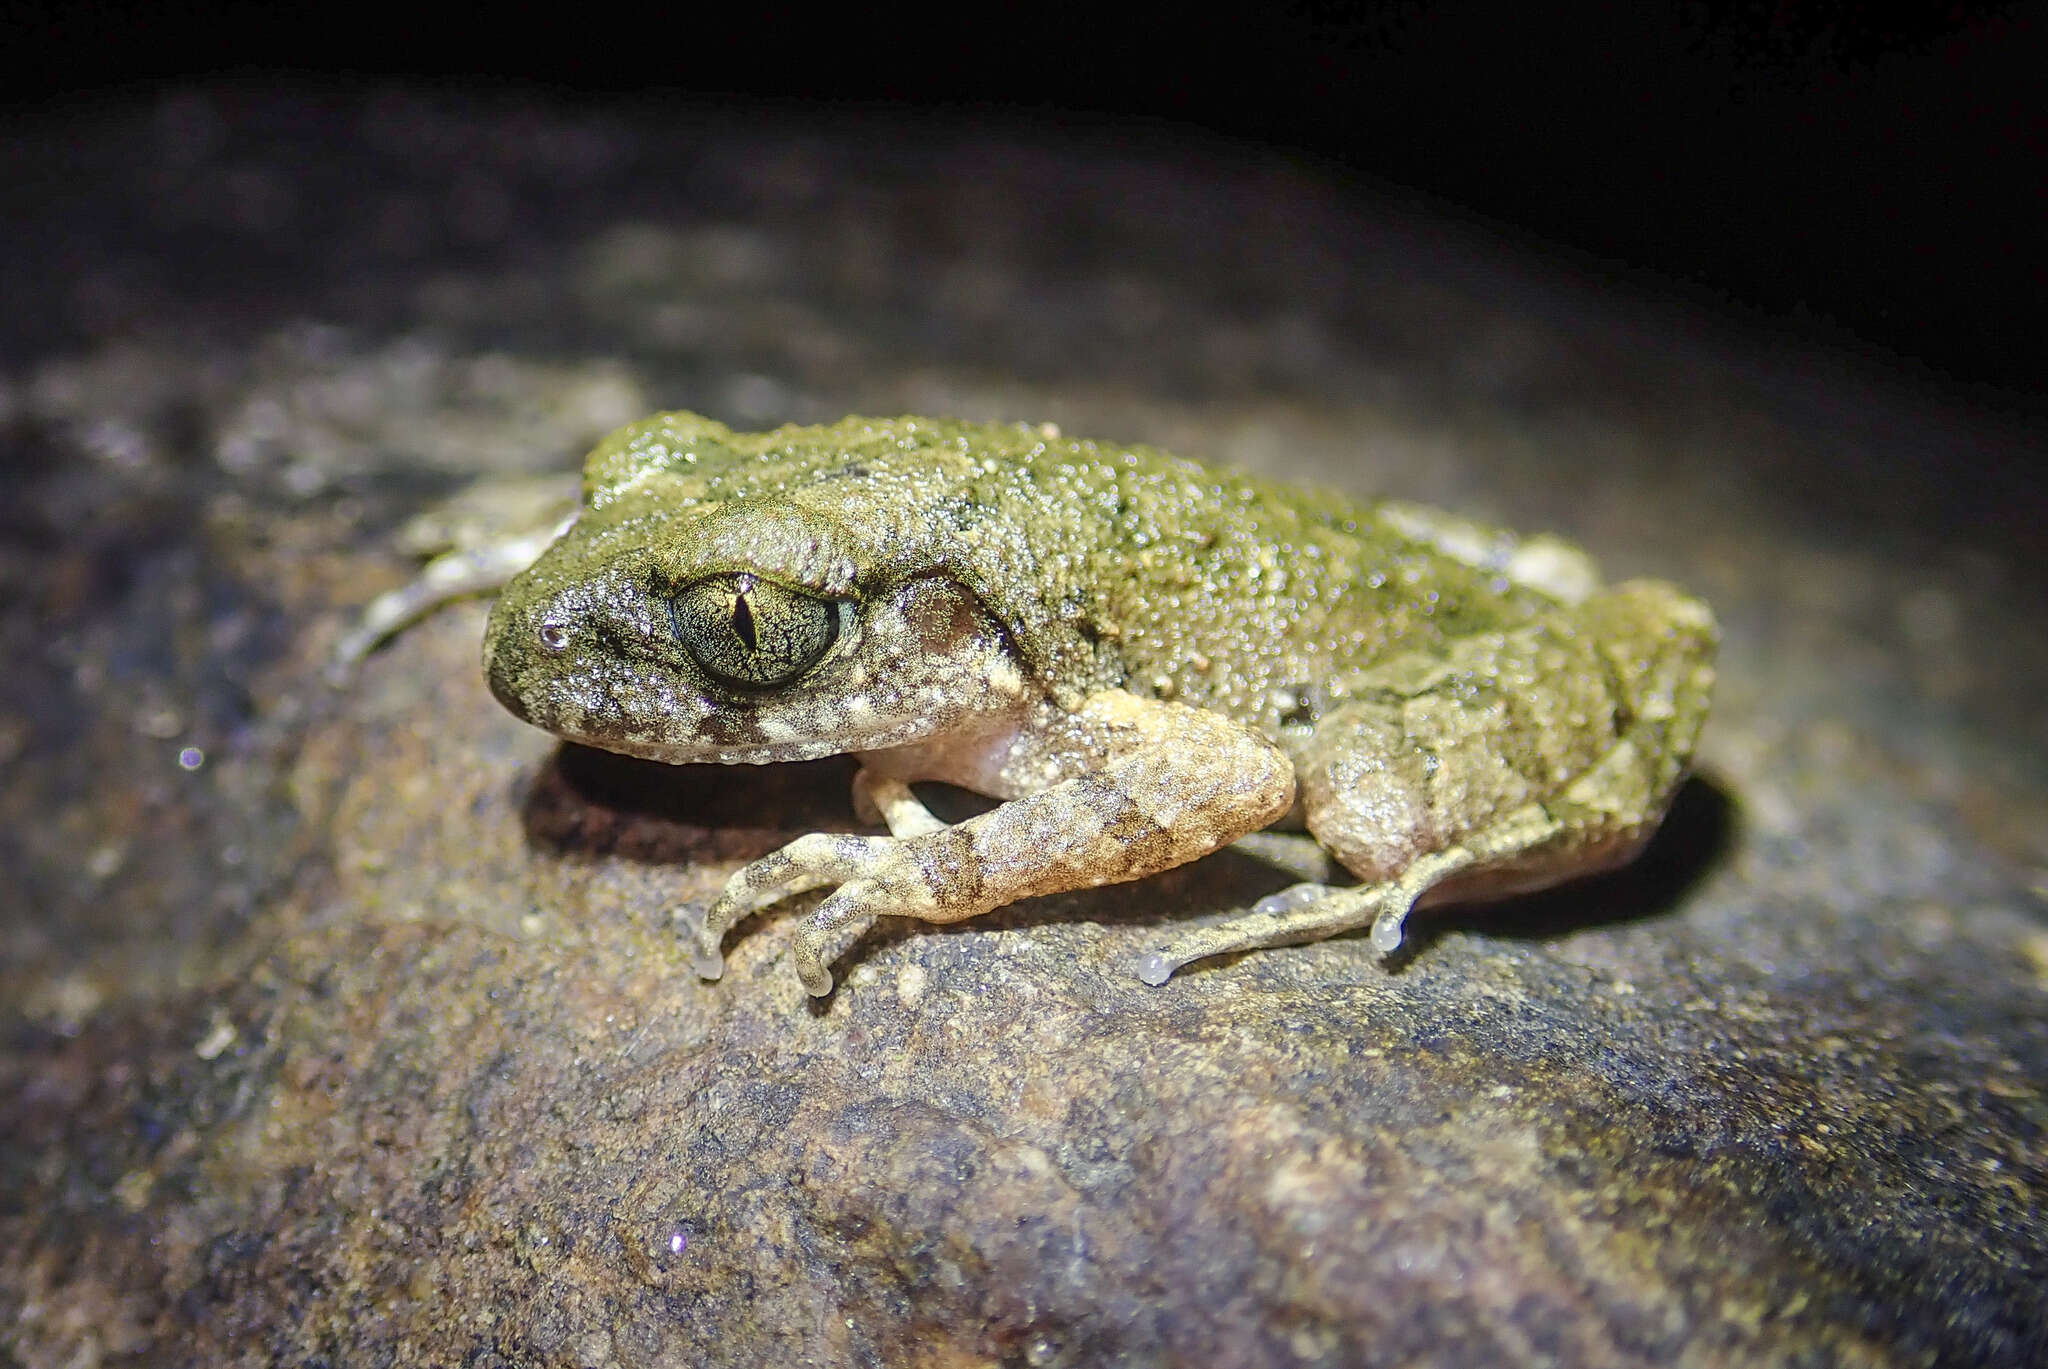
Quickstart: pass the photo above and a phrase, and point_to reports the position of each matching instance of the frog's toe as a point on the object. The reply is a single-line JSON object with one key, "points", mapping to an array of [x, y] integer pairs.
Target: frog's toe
{"points": [[1292, 897], [1154, 967], [708, 966], [829, 933], [705, 956], [811, 972], [1266, 917], [1302, 912], [809, 862]]}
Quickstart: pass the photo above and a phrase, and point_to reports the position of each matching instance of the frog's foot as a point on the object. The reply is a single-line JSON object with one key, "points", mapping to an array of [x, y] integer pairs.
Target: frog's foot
{"points": [[809, 862], [812, 862], [1304, 912], [1301, 912], [1310, 912]]}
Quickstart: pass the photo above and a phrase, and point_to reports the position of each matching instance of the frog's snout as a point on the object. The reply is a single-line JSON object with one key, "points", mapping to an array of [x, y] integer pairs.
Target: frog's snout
{"points": [[510, 644]]}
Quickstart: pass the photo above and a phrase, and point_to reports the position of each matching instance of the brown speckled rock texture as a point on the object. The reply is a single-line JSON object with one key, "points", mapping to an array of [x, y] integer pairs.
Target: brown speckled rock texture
{"points": [[348, 1027]]}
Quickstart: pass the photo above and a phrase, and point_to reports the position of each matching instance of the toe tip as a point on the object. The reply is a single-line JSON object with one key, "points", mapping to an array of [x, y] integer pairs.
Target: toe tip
{"points": [[1154, 968]]}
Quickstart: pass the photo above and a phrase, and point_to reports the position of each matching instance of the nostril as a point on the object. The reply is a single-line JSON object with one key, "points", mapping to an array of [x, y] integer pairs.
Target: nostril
{"points": [[554, 636]]}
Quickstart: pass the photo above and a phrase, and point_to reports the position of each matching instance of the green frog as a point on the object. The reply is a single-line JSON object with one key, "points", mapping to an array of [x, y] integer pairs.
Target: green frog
{"points": [[1143, 658]]}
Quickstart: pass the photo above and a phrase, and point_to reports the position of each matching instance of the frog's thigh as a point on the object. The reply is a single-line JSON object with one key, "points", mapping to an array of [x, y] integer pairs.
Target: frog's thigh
{"points": [[1515, 761], [1591, 711], [1371, 795]]}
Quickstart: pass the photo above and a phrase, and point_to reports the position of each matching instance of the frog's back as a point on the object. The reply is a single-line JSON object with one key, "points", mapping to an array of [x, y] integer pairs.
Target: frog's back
{"points": [[1112, 565], [1257, 598]]}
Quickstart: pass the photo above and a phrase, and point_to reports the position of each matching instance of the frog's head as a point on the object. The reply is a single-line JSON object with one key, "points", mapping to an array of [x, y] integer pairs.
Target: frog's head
{"points": [[755, 630]]}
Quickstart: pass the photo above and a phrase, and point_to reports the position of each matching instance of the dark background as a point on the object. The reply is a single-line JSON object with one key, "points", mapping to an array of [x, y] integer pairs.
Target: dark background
{"points": [[1869, 175]]}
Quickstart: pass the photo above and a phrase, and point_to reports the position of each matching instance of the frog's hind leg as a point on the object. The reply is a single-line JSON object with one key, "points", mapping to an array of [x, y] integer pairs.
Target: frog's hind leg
{"points": [[1506, 762], [1310, 912]]}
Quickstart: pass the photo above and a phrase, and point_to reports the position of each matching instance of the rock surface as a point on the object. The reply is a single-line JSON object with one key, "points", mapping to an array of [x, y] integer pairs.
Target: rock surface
{"points": [[348, 1026]]}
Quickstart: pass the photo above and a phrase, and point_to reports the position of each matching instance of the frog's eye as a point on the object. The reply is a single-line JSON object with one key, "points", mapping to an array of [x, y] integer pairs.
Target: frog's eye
{"points": [[752, 632]]}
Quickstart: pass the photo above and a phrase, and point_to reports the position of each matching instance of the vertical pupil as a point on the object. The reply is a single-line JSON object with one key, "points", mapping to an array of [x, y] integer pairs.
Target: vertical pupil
{"points": [[743, 622]]}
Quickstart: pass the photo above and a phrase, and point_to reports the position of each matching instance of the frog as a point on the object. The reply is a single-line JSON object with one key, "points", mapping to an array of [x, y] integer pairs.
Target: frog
{"points": [[1137, 657]]}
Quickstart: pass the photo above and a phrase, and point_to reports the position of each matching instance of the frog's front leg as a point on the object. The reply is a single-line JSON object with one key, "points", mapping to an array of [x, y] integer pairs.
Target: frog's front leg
{"points": [[885, 799], [467, 570], [1177, 783]]}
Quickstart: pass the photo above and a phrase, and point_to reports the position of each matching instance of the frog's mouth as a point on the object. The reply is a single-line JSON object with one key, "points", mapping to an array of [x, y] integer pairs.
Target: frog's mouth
{"points": [[672, 754], [719, 737]]}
